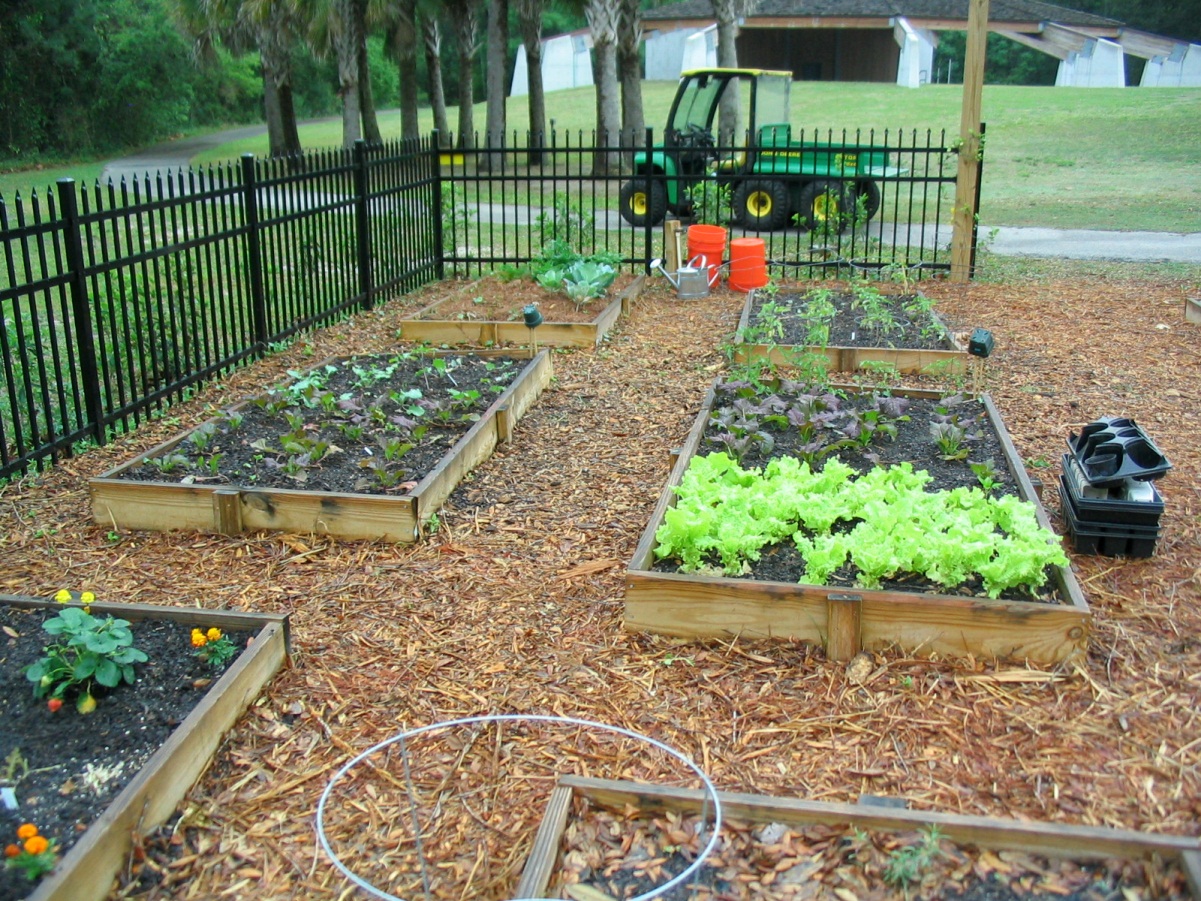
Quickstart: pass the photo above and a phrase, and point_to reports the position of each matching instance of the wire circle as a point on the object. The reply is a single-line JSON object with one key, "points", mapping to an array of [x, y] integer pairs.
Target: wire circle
{"points": [[679, 879]]}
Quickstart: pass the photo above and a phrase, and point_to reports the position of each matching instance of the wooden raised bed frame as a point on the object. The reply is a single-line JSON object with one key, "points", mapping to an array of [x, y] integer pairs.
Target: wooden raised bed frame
{"points": [[843, 620], [86, 872], [495, 334], [230, 510], [952, 361], [1045, 839]]}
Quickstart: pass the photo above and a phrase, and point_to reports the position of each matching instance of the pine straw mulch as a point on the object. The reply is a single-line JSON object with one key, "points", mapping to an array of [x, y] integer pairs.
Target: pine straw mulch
{"points": [[515, 603]]}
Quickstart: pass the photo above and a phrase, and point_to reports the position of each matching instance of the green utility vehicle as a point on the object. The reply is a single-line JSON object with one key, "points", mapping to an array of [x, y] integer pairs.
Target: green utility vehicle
{"points": [[772, 179]]}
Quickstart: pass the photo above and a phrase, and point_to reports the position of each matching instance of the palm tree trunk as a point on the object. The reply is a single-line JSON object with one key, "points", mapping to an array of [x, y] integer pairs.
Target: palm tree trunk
{"points": [[432, 39], [602, 22], [346, 40], [406, 66], [468, 33], [496, 72], [529, 13], [629, 67]]}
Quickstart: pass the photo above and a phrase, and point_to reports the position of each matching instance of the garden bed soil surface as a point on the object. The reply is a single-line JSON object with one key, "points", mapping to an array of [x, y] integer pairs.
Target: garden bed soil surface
{"points": [[916, 330], [516, 602], [254, 452], [621, 855], [492, 299], [79, 763]]}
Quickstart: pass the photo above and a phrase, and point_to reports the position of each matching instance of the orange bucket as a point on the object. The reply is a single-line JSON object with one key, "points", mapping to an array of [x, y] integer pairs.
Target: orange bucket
{"points": [[708, 241], [748, 264]]}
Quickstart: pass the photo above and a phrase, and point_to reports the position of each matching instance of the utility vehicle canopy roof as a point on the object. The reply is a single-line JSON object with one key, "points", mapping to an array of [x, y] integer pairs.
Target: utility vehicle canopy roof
{"points": [[750, 72]]}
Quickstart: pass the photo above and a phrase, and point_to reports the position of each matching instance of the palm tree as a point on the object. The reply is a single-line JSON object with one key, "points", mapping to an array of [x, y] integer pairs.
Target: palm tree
{"points": [[529, 15], [629, 65], [431, 36], [495, 70], [467, 28], [404, 46], [337, 26], [602, 18]]}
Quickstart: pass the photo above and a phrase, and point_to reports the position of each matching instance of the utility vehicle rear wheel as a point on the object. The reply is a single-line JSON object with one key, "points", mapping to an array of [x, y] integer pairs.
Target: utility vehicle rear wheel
{"points": [[825, 204], [870, 192], [761, 205], [642, 202]]}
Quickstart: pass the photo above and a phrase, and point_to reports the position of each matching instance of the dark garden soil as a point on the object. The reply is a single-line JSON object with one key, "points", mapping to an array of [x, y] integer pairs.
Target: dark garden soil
{"points": [[77, 764], [907, 322], [367, 425], [621, 856], [912, 444], [493, 299]]}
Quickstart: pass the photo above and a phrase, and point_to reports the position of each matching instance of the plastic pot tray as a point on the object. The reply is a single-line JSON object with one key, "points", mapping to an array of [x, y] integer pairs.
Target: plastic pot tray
{"points": [[842, 620]]}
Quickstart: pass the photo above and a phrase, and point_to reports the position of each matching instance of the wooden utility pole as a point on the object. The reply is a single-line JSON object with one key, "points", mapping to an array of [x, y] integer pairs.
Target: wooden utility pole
{"points": [[964, 211]]}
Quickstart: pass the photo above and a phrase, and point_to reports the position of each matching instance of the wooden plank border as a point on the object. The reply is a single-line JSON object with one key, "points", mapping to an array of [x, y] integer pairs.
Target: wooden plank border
{"points": [[992, 833], [842, 620], [231, 509], [953, 360], [86, 872], [548, 334]]}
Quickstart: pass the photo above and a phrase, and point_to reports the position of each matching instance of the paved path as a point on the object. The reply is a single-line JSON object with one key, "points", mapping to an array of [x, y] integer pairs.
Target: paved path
{"points": [[1079, 244]]}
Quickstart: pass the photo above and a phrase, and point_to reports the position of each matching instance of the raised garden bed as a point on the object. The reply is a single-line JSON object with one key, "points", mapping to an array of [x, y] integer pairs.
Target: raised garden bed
{"points": [[391, 450], [1049, 626], [488, 313], [607, 839], [136, 768], [902, 332]]}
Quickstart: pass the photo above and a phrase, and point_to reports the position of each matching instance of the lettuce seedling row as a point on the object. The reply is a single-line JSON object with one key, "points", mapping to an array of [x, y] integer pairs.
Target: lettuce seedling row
{"points": [[1049, 628]]}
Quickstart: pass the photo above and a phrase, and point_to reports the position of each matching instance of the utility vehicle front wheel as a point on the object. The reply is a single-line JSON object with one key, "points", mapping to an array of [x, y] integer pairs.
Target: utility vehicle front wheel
{"points": [[761, 205], [825, 205], [643, 202]]}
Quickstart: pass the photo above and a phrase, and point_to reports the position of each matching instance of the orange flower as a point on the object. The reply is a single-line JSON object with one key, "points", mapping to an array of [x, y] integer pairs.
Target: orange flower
{"points": [[27, 830], [36, 845], [213, 634], [11, 851], [198, 639]]}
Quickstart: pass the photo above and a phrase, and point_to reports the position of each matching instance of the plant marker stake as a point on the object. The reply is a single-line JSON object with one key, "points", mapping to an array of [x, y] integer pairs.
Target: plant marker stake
{"points": [[533, 319]]}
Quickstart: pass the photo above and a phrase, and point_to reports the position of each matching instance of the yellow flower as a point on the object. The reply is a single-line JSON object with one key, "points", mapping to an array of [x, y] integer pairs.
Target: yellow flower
{"points": [[198, 639], [36, 845], [63, 596], [26, 830], [213, 634], [87, 597]]}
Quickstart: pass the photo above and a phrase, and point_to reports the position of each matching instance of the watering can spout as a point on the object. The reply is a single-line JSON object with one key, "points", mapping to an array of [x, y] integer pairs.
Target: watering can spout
{"points": [[657, 263]]}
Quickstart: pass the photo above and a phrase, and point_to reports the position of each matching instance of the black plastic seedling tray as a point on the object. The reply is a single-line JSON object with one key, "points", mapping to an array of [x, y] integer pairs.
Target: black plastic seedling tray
{"points": [[1107, 510], [1106, 540], [1115, 448]]}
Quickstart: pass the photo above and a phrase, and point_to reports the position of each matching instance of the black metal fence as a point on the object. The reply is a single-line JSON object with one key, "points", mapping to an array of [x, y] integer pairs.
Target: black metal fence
{"points": [[117, 300]]}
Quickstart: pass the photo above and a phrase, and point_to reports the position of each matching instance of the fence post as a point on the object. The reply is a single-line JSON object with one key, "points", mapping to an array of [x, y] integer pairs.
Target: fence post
{"points": [[648, 239], [363, 224], [436, 212], [81, 312], [254, 252]]}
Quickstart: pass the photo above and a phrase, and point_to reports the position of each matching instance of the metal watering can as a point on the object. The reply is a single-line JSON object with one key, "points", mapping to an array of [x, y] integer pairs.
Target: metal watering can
{"points": [[693, 280]]}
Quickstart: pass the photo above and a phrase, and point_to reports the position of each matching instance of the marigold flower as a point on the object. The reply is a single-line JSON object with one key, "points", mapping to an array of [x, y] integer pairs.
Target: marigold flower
{"points": [[36, 845], [198, 639], [88, 597], [26, 830], [63, 596], [213, 634], [11, 851]]}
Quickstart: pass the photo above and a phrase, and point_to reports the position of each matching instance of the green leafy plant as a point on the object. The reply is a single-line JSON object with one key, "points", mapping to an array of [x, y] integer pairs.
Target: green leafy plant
{"points": [[986, 473], [712, 203], [909, 863], [90, 651]]}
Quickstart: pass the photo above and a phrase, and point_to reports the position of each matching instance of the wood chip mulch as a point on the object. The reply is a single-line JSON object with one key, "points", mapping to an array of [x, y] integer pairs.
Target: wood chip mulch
{"points": [[515, 604]]}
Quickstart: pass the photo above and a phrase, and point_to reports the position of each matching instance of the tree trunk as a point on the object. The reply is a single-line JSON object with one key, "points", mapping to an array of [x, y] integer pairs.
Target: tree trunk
{"points": [[287, 111], [629, 67], [529, 14], [346, 49], [432, 38], [406, 66], [602, 21], [271, 112], [496, 73], [727, 13], [273, 37], [366, 100], [468, 34]]}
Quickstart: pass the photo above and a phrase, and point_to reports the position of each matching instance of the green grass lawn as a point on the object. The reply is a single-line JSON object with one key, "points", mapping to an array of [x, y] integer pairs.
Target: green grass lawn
{"points": [[1108, 158]]}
